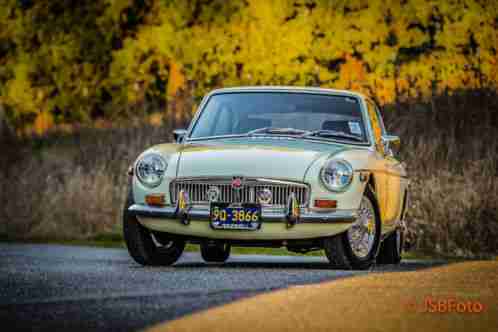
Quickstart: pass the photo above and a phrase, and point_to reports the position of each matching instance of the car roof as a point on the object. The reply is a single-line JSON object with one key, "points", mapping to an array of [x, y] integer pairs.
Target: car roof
{"points": [[288, 89]]}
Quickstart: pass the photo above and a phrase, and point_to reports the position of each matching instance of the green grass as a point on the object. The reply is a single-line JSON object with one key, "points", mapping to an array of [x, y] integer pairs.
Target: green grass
{"points": [[111, 241], [259, 251], [115, 240], [101, 241]]}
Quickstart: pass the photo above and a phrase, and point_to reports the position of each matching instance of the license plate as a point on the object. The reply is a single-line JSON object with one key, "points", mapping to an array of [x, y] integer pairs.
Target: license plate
{"points": [[245, 217]]}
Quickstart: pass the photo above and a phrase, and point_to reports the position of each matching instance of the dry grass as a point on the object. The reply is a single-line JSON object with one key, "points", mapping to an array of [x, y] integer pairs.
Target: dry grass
{"points": [[453, 214], [451, 149], [65, 187]]}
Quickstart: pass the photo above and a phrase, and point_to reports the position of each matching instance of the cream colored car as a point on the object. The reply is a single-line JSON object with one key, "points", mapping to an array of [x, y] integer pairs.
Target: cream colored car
{"points": [[301, 168]]}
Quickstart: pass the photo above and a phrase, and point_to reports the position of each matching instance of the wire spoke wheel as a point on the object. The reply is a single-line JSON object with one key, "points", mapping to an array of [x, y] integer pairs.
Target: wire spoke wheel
{"points": [[361, 235], [357, 247]]}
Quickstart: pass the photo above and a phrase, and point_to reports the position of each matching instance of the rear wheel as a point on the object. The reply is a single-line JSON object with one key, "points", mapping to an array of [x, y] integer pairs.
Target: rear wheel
{"points": [[146, 247], [357, 247], [391, 248], [215, 252]]}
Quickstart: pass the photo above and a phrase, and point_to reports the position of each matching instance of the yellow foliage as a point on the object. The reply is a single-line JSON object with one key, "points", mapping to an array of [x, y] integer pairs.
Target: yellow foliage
{"points": [[352, 74], [19, 92], [114, 57], [176, 79], [44, 121]]}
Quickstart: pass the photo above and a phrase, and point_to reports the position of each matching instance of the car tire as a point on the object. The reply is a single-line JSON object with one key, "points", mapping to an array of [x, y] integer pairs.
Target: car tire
{"points": [[215, 252], [338, 248], [145, 247], [391, 248]]}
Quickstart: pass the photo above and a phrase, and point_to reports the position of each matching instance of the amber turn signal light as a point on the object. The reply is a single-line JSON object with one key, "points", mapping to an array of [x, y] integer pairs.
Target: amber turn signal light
{"points": [[155, 200], [325, 204]]}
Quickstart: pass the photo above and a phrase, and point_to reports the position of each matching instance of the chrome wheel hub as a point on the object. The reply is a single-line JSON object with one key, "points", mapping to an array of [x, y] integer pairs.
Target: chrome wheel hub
{"points": [[361, 234]]}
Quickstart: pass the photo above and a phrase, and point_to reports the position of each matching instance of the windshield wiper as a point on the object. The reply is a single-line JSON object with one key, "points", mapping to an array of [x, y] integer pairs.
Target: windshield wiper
{"points": [[278, 131], [332, 133]]}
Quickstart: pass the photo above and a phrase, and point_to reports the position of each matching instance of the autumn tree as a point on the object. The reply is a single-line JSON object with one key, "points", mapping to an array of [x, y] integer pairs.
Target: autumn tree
{"points": [[66, 61]]}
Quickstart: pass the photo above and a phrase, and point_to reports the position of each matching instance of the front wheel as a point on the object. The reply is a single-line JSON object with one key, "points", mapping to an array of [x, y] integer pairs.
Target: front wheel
{"points": [[148, 248], [357, 247]]}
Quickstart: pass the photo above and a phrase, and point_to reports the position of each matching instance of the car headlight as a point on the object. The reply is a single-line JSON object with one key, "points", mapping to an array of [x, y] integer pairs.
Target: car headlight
{"points": [[337, 175], [150, 169]]}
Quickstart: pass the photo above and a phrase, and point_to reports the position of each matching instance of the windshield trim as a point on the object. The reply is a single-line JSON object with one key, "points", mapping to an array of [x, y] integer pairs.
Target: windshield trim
{"points": [[359, 99], [315, 139]]}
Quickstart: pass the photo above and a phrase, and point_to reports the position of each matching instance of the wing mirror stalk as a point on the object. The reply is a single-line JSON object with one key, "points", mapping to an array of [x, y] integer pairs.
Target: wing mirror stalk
{"points": [[179, 135], [390, 141]]}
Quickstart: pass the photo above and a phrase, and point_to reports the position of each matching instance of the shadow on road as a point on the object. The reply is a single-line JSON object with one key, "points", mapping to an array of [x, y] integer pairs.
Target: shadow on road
{"points": [[302, 265]]}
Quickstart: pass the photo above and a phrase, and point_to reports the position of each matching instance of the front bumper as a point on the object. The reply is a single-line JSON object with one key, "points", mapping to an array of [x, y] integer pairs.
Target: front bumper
{"points": [[202, 214], [274, 224]]}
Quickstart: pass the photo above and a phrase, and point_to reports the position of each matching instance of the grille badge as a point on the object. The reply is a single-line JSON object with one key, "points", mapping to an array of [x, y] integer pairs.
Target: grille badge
{"points": [[265, 196], [237, 182], [213, 194]]}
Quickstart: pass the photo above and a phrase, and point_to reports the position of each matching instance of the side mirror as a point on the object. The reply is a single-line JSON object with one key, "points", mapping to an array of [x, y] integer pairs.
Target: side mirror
{"points": [[390, 141], [179, 134]]}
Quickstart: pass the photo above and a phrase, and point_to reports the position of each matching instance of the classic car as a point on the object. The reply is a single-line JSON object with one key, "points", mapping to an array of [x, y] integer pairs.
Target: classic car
{"points": [[301, 168]]}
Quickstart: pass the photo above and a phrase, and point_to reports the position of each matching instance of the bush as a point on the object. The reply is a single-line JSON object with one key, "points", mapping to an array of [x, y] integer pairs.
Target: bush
{"points": [[450, 147]]}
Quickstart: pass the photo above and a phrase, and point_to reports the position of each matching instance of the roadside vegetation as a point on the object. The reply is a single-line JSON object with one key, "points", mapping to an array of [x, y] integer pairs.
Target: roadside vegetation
{"points": [[86, 86], [71, 187]]}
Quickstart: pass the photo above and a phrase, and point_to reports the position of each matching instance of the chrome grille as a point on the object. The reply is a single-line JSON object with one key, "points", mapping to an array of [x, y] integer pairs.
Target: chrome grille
{"points": [[197, 191]]}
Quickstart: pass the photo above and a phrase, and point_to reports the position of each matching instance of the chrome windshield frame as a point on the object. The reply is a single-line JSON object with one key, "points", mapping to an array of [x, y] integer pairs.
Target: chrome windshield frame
{"points": [[317, 91]]}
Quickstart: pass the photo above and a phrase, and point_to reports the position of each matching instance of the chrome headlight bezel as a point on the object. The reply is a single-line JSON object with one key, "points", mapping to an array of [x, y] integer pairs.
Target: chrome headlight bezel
{"points": [[336, 175], [150, 169]]}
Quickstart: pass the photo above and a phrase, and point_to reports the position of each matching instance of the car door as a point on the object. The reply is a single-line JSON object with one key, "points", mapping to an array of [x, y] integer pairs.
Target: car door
{"points": [[388, 176]]}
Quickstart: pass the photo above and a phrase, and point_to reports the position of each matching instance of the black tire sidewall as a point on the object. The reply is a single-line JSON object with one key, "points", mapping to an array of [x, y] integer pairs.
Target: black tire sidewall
{"points": [[389, 252], [140, 244], [215, 253]]}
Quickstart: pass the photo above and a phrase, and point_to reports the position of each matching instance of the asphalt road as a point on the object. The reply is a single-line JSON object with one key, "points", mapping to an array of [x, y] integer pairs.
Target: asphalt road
{"points": [[52, 287]]}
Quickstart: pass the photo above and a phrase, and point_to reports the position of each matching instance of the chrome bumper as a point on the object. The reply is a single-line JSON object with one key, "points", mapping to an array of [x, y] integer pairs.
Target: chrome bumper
{"points": [[202, 214]]}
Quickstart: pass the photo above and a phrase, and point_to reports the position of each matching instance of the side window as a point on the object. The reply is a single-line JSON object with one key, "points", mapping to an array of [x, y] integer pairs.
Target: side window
{"points": [[377, 125]]}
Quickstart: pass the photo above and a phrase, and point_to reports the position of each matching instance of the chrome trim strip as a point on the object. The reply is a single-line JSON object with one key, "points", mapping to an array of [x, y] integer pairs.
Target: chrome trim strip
{"points": [[313, 139], [152, 212], [284, 182], [383, 172], [202, 214], [246, 180]]}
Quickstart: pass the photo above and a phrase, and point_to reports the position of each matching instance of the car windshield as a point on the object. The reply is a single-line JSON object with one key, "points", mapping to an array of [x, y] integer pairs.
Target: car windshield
{"points": [[279, 113]]}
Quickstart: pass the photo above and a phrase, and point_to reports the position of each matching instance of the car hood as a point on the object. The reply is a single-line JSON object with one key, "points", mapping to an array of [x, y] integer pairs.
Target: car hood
{"points": [[270, 158]]}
